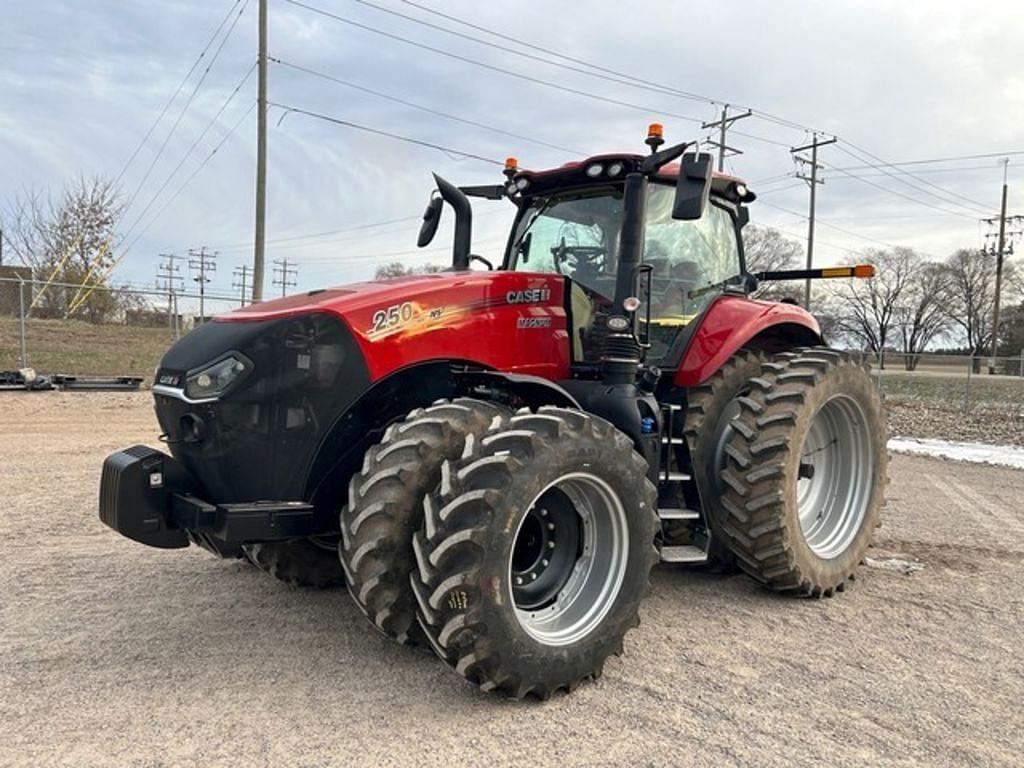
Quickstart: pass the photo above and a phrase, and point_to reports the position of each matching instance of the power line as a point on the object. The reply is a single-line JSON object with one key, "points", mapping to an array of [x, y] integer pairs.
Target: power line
{"points": [[948, 194], [167, 106], [360, 258], [184, 109], [284, 275], [493, 68], [191, 149], [200, 263], [397, 137], [298, 241], [187, 181], [615, 77], [660, 87], [723, 124], [814, 181], [951, 159], [168, 278], [420, 107], [897, 192], [242, 281]]}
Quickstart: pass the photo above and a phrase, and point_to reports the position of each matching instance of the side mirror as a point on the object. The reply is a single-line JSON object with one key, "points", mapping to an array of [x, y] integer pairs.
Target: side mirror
{"points": [[693, 186], [431, 218]]}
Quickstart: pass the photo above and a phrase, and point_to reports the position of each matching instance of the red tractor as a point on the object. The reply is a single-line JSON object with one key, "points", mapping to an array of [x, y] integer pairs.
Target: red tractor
{"points": [[501, 455]]}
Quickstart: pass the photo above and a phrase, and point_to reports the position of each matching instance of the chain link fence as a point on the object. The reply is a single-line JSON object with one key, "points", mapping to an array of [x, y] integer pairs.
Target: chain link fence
{"points": [[84, 330]]}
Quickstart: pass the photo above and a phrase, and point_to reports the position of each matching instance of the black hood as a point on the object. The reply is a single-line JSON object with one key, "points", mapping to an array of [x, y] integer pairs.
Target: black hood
{"points": [[257, 441]]}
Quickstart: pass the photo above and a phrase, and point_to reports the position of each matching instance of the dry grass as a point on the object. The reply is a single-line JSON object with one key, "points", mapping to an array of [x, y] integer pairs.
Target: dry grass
{"points": [[84, 349]]}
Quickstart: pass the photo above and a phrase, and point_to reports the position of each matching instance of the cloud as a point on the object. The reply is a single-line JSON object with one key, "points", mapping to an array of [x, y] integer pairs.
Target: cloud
{"points": [[83, 82]]}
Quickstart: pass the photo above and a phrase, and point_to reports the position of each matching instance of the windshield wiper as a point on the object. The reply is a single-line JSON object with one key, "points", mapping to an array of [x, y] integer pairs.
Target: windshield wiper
{"points": [[737, 280], [540, 212]]}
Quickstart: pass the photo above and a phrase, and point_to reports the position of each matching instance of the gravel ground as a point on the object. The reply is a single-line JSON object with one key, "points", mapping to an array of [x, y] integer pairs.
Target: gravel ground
{"points": [[118, 655]]}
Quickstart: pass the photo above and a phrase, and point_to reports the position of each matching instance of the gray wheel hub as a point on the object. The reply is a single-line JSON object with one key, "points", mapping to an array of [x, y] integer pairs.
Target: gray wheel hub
{"points": [[569, 559], [837, 468]]}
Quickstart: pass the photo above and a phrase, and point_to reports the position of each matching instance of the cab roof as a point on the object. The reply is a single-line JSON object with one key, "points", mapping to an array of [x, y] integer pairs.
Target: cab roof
{"points": [[573, 174]]}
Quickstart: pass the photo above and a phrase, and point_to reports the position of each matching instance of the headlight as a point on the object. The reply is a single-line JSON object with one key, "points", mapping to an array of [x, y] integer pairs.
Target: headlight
{"points": [[217, 378], [595, 170], [614, 169]]}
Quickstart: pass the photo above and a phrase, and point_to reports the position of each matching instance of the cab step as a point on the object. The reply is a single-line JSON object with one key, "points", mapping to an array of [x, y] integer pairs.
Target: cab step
{"points": [[673, 476], [686, 553], [678, 514]]}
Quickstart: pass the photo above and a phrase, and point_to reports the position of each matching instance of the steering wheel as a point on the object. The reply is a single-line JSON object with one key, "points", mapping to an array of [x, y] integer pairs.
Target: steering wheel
{"points": [[586, 258]]}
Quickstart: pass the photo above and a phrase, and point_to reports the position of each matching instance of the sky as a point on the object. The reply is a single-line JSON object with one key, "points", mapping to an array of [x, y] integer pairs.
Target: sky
{"points": [[83, 83]]}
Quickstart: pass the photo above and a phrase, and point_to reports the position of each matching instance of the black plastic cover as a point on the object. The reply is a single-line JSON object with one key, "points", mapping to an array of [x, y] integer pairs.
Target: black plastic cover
{"points": [[258, 441]]}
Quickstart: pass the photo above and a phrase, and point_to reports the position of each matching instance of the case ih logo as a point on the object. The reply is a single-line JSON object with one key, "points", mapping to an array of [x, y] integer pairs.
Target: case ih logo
{"points": [[168, 379], [531, 296]]}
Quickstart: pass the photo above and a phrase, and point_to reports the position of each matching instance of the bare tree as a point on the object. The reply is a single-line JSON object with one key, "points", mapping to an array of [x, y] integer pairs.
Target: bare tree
{"points": [[971, 297], [867, 310], [768, 250], [921, 313], [70, 239], [398, 269]]}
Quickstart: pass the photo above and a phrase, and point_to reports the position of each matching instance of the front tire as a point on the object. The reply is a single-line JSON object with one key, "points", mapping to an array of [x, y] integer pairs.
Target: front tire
{"points": [[535, 553], [385, 507], [299, 563], [806, 472]]}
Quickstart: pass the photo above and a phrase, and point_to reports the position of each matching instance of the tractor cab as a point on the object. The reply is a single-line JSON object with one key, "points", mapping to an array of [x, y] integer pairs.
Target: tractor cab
{"points": [[645, 243], [571, 221]]}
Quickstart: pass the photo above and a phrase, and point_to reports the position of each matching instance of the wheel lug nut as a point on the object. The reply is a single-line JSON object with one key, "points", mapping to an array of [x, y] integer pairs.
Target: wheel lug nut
{"points": [[543, 513], [519, 580], [533, 577], [551, 526], [544, 563], [551, 545]]}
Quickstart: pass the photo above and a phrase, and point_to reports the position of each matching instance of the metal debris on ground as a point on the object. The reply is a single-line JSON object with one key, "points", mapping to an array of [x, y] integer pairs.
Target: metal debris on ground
{"points": [[24, 379]]}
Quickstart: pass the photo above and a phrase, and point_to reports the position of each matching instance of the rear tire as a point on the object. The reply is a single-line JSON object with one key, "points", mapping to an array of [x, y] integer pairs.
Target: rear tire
{"points": [[299, 563], [806, 472], [535, 553], [710, 408], [385, 507]]}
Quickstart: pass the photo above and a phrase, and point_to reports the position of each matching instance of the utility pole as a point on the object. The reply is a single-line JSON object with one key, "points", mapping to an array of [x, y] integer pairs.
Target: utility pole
{"points": [[723, 125], [1000, 251], [814, 181], [261, 159], [285, 276], [1, 247], [241, 282], [202, 262], [168, 278]]}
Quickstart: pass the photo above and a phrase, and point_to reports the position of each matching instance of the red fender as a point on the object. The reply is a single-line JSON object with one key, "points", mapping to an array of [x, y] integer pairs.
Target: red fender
{"points": [[733, 321]]}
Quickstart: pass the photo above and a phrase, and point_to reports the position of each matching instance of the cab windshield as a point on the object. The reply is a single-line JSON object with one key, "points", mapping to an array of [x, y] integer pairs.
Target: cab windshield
{"points": [[577, 235]]}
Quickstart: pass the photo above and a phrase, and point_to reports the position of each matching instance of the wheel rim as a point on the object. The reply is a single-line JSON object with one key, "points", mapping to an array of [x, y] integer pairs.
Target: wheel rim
{"points": [[836, 470], [568, 559]]}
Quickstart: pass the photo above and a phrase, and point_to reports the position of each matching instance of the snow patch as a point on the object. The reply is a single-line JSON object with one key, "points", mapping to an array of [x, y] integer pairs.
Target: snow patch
{"points": [[895, 564], [978, 453]]}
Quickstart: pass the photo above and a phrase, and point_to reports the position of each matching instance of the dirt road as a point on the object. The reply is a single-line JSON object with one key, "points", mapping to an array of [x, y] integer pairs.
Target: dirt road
{"points": [[115, 654]]}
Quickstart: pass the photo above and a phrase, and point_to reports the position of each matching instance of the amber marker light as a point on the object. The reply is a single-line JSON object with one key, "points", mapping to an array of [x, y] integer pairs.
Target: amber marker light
{"points": [[864, 270]]}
